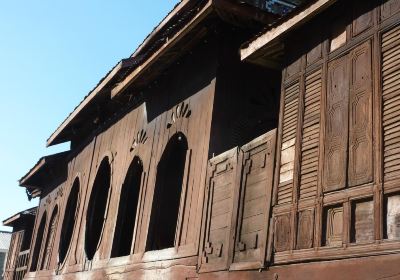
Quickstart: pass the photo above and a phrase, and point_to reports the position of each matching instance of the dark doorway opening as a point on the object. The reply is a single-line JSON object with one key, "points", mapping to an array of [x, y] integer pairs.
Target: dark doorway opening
{"points": [[95, 216], [127, 209], [167, 194]]}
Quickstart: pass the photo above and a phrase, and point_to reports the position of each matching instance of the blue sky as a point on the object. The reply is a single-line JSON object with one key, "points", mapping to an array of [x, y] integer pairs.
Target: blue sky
{"points": [[52, 53]]}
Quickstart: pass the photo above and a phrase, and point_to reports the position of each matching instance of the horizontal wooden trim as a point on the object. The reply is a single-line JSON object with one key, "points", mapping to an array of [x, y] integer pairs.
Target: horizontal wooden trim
{"points": [[333, 253]]}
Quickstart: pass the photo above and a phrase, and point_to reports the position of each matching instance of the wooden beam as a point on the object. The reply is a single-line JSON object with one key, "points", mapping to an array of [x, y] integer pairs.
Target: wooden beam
{"points": [[206, 10], [275, 33]]}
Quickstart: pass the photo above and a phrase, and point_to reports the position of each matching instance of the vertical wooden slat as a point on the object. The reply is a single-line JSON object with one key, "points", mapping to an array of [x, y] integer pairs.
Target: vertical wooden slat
{"points": [[310, 136], [289, 129], [391, 103]]}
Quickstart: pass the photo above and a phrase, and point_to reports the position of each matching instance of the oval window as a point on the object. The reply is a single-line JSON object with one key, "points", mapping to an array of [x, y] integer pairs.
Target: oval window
{"points": [[95, 216]]}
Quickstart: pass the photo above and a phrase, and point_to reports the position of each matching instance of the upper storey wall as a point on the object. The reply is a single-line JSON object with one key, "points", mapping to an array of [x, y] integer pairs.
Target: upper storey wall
{"points": [[338, 163], [180, 101]]}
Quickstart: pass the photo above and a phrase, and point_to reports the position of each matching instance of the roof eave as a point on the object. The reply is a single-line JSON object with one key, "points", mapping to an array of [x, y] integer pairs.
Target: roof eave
{"points": [[54, 138], [204, 12], [11, 220], [273, 35], [44, 162]]}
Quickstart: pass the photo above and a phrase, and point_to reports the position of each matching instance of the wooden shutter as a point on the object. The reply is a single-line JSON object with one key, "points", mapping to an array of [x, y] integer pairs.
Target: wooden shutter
{"points": [[289, 129], [310, 136], [360, 124], [336, 125], [220, 198], [255, 202], [391, 102]]}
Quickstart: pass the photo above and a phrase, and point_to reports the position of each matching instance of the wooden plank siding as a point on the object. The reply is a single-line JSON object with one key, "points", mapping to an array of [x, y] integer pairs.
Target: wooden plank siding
{"points": [[311, 194], [340, 190]]}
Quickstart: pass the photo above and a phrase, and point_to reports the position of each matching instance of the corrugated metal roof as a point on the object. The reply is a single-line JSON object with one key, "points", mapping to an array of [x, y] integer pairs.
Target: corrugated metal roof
{"points": [[5, 238]]}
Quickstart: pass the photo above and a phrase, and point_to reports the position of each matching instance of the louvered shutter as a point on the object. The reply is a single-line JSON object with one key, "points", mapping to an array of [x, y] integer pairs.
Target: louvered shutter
{"points": [[310, 136], [391, 102], [290, 119]]}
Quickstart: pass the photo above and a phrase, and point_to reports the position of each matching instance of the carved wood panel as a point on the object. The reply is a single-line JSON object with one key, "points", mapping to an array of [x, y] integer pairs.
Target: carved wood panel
{"points": [[310, 136], [220, 198], [336, 125], [255, 202], [391, 102], [333, 226], [360, 130]]}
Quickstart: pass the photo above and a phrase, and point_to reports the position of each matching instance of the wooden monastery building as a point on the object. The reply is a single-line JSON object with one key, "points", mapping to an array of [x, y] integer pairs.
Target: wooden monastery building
{"points": [[241, 140]]}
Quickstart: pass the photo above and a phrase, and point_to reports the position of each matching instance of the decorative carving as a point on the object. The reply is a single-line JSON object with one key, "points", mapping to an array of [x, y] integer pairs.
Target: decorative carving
{"points": [[181, 111], [336, 126], [360, 130], [333, 226], [60, 192], [141, 138]]}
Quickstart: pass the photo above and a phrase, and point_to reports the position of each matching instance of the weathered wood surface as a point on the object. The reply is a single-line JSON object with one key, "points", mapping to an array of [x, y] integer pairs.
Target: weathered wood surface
{"points": [[323, 187]]}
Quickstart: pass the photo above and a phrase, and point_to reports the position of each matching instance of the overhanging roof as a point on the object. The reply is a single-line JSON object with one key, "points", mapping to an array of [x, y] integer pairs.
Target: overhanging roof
{"points": [[269, 42], [31, 212], [39, 173], [161, 43]]}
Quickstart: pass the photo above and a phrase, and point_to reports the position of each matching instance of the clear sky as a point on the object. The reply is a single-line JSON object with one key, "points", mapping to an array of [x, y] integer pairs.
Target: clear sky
{"points": [[52, 53]]}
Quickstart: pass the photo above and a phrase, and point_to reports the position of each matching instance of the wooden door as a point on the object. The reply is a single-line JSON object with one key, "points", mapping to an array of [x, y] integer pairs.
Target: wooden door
{"points": [[221, 194], [258, 158]]}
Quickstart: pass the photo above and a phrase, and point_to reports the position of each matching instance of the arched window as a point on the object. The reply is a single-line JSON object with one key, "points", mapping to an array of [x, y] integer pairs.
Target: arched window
{"points": [[38, 243], [95, 216], [167, 194], [128, 204], [51, 232], [69, 221]]}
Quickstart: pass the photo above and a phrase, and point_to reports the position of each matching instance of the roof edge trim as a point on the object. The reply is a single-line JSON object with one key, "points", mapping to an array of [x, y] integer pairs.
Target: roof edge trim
{"points": [[286, 26]]}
